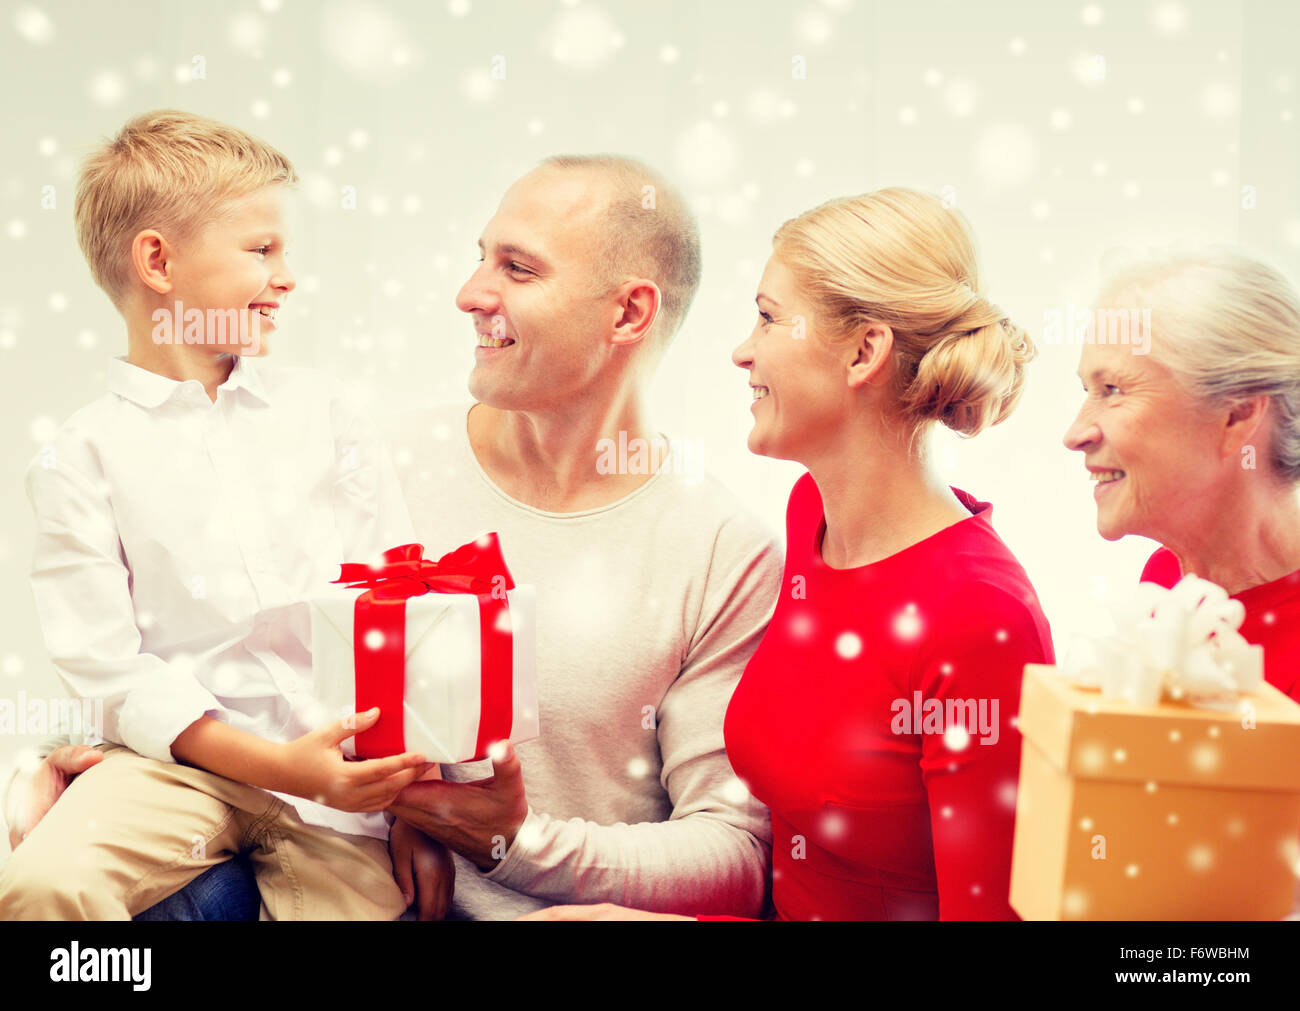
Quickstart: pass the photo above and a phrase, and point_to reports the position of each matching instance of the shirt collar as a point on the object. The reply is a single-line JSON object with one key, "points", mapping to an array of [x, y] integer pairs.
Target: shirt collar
{"points": [[974, 505], [148, 389]]}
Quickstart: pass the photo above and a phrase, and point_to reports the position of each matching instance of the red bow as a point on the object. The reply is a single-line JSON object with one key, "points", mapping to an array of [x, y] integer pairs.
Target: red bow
{"points": [[380, 660]]}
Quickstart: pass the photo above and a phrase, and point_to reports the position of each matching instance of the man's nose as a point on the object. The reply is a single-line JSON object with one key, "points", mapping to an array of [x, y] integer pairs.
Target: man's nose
{"points": [[476, 294]]}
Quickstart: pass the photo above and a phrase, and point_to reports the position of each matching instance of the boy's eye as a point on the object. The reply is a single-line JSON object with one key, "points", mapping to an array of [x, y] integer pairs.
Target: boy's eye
{"points": [[262, 249]]}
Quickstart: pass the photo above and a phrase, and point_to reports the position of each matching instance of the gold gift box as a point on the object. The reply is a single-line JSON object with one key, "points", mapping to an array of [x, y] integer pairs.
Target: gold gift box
{"points": [[1154, 813]]}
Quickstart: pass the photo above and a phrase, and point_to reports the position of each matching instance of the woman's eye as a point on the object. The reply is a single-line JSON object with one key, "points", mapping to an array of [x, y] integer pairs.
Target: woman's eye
{"points": [[765, 317]]}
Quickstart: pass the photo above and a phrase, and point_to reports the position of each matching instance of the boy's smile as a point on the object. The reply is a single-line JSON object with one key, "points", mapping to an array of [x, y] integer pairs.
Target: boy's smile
{"points": [[238, 262]]}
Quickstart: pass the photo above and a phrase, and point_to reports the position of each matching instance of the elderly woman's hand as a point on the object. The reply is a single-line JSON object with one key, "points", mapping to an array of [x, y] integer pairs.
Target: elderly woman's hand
{"points": [[600, 911]]}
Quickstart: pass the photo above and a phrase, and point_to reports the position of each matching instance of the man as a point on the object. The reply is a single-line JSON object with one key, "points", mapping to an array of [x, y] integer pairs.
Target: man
{"points": [[653, 589]]}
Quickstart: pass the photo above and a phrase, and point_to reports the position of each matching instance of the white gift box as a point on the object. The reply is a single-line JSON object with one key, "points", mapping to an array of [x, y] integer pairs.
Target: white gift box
{"points": [[443, 672]]}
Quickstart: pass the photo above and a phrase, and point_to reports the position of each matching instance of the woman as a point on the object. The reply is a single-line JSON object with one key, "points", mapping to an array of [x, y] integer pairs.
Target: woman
{"points": [[874, 719], [1197, 444]]}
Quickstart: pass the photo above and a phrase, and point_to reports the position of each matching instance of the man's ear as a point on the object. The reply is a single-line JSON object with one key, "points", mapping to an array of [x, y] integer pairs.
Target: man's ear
{"points": [[150, 259], [638, 307], [870, 354], [1242, 426]]}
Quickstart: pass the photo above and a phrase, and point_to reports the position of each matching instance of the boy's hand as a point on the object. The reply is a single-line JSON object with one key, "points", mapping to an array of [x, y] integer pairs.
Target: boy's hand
{"points": [[315, 768], [33, 794], [423, 870]]}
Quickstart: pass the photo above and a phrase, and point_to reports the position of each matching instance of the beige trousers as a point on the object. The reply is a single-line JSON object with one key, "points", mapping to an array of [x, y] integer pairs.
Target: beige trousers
{"points": [[130, 831]]}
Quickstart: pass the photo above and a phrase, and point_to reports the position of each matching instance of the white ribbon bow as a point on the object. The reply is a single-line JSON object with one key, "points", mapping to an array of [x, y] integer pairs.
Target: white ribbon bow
{"points": [[1182, 643]]}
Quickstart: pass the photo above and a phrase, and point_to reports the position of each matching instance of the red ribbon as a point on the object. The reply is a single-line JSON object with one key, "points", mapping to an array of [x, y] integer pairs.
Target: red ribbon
{"points": [[477, 568]]}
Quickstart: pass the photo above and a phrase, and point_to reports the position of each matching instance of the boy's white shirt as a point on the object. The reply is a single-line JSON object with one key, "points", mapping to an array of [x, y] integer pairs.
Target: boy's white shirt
{"points": [[179, 540]]}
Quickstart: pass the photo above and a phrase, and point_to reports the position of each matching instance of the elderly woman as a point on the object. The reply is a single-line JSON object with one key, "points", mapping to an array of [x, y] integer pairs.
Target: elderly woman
{"points": [[875, 719], [1197, 444]]}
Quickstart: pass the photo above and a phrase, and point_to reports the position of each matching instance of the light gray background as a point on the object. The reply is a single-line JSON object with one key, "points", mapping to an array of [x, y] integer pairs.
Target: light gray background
{"points": [[1064, 130]]}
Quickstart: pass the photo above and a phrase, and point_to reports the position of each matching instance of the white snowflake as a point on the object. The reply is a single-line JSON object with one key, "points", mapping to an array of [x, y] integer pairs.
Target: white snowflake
{"points": [[705, 154], [908, 624], [43, 429], [34, 25], [1169, 17], [1200, 857], [848, 645], [583, 38], [1006, 154], [247, 32]]}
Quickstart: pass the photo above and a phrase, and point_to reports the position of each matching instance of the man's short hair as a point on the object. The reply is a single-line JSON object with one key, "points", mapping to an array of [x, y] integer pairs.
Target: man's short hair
{"points": [[648, 230], [168, 170]]}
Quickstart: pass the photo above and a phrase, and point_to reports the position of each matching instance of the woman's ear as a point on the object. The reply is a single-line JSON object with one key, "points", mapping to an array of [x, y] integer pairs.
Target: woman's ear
{"points": [[871, 354], [1242, 426]]}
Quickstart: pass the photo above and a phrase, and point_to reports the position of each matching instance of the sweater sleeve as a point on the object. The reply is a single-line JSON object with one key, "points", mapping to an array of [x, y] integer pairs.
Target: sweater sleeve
{"points": [[712, 854], [970, 771]]}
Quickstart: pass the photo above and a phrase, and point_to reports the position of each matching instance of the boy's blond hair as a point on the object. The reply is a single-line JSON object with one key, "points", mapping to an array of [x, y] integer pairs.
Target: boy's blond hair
{"points": [[168, 170]]}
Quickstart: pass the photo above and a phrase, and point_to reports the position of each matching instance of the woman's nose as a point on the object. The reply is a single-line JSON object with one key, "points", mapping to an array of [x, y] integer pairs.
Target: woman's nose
{"points": [[1082, 433], [742, 356]]}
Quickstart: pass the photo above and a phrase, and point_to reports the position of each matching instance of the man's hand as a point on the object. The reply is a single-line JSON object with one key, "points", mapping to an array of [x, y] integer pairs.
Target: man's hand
{"points": [[600, 911], [478, 820], [32, 794], [423, 869], [314, 767]]}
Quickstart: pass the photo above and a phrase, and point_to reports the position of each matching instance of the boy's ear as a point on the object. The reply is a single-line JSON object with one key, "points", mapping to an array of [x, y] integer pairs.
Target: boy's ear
{"points": [[150, 256]]}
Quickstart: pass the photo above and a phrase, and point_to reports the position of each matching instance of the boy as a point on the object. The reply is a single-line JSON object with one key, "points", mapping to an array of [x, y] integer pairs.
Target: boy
{"points": [[183, 520]]}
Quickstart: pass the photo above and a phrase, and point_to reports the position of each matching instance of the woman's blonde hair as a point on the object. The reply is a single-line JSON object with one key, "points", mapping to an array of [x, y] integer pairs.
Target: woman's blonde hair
{"points": [[1228, 326], [167, 170], [900, 257]]}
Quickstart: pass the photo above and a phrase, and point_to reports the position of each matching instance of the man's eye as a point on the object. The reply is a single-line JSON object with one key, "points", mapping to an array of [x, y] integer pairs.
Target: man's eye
{"points": [[1109, 388], [516, 268]]}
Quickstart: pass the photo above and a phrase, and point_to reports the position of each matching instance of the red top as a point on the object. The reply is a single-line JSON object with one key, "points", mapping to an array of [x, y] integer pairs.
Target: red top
{"points": [[1272, 618], [883, 808]]}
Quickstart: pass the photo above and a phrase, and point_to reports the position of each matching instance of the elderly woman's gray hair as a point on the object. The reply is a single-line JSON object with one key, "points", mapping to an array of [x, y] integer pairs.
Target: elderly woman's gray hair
{"points": [[1228, 326]]}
